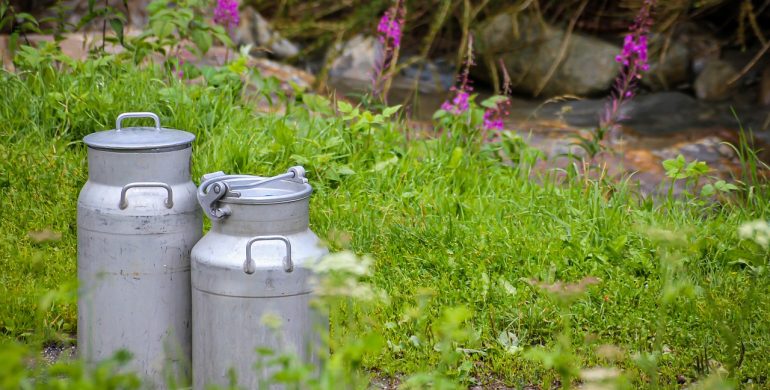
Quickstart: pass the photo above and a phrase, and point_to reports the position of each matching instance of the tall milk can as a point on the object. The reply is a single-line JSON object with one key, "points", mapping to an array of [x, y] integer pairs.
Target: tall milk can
{"points": [[138, 219], [251, 269]]}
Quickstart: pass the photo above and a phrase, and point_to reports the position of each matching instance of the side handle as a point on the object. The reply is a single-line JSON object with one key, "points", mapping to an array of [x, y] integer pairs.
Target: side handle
{"points": [[124, 201], [250, 267]]}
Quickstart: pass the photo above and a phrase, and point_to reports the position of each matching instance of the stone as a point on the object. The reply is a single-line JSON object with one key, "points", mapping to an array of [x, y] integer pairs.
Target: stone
{"points": [[674, 68], [134, 10], [528, 48], [256, 30], [764, 87], [712, 82], [355, 60]]}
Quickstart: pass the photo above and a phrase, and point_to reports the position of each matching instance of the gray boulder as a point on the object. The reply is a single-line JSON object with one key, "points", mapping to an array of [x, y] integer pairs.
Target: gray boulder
{"points": [[256, 30], [355, 60], [669, 66], [711, 83], [764, 87], [529, 47]]}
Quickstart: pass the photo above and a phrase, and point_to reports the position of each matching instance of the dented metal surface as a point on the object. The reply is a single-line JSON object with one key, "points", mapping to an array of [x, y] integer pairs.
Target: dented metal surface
{"points": [[138, 219], [251, 278]]}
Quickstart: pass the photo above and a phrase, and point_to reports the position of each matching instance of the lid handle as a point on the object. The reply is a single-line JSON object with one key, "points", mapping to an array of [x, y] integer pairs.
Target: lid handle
{"points": [[136, 115], [222, 185]]}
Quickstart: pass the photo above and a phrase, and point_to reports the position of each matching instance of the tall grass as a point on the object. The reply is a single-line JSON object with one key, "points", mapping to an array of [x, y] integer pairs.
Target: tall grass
{"points": [[466, 247]]}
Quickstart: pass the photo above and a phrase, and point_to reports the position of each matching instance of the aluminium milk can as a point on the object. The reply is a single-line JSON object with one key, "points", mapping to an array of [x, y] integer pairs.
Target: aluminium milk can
{"points": [[138, 219], [254, 263]]}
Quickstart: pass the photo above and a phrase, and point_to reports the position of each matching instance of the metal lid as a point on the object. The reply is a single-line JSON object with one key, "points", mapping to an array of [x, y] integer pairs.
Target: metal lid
{"points": [[139, 138], [218, 188]]}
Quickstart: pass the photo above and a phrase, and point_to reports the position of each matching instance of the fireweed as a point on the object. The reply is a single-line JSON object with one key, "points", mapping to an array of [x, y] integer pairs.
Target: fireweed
{"points": [[633, 60], [459, 103], [226, 14], [460, 115], [499, 107], [389, 31]]}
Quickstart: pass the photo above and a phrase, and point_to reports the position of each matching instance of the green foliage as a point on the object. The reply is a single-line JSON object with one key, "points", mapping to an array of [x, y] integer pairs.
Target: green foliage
{"points": [[22, 368], [19, 23], [173, 22], [468, 253]]}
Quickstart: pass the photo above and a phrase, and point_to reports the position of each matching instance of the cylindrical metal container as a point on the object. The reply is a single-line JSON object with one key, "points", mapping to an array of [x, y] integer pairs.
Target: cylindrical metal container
{"points": [[252, 270], [138, 219]]}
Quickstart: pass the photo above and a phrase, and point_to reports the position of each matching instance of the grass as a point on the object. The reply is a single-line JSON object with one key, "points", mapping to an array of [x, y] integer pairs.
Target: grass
{"points": [[465, 246]]}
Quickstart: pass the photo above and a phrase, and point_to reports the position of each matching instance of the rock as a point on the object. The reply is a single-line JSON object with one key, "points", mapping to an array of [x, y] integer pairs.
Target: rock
{"points": [[529, 47], [256, 30], [764, 87], [673, 70], [711, 83], [433, 77], [135, 11], [355, 61]]}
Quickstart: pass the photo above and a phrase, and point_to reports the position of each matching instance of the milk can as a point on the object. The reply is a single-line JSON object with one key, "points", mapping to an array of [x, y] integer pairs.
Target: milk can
{"points": [[138, 219], [252, 270]]}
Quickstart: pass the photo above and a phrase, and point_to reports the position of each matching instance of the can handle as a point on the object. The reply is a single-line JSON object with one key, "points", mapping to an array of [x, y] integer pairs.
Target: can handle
{"points": [[136, 115], [250, 267], [124, 202]]}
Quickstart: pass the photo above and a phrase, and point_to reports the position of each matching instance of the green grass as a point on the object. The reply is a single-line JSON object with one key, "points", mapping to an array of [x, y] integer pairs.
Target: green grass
{"points": [[447, 228]]}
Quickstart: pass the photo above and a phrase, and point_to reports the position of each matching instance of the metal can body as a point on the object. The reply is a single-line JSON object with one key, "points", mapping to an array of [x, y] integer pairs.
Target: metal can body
{"points": [[138, 219], [237, 307]]}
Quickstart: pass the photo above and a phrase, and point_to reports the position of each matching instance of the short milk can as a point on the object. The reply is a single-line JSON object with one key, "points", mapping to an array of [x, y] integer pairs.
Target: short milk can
{"points": [[138, 219], [252, 269]]}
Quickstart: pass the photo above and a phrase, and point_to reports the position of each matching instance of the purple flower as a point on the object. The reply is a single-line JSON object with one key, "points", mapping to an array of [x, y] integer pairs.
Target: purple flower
{"points": [[492, 120], [389, 31], [634, 60], [390, 26], [634, 52], [458, 105], [226, 14]]}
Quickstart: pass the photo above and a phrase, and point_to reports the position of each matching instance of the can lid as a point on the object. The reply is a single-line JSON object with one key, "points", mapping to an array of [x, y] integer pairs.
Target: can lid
{"points": [[247, 189], [279, 191], [154, 139]]}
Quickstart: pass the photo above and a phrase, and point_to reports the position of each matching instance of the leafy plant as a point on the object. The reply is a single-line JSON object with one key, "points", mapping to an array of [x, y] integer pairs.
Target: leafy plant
{"points": [[19, 23], [175, 26], [679, 169]]}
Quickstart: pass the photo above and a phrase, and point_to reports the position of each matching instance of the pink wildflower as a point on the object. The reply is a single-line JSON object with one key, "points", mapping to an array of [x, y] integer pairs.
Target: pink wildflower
{"points": [[634, 52], [459, 103], [493, 120], [226, 14], [390, 25], [634, 61], [389, 31]]}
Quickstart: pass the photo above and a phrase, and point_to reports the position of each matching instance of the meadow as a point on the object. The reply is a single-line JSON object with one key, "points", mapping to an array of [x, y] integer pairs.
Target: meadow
{"points": [[484, 270]]}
